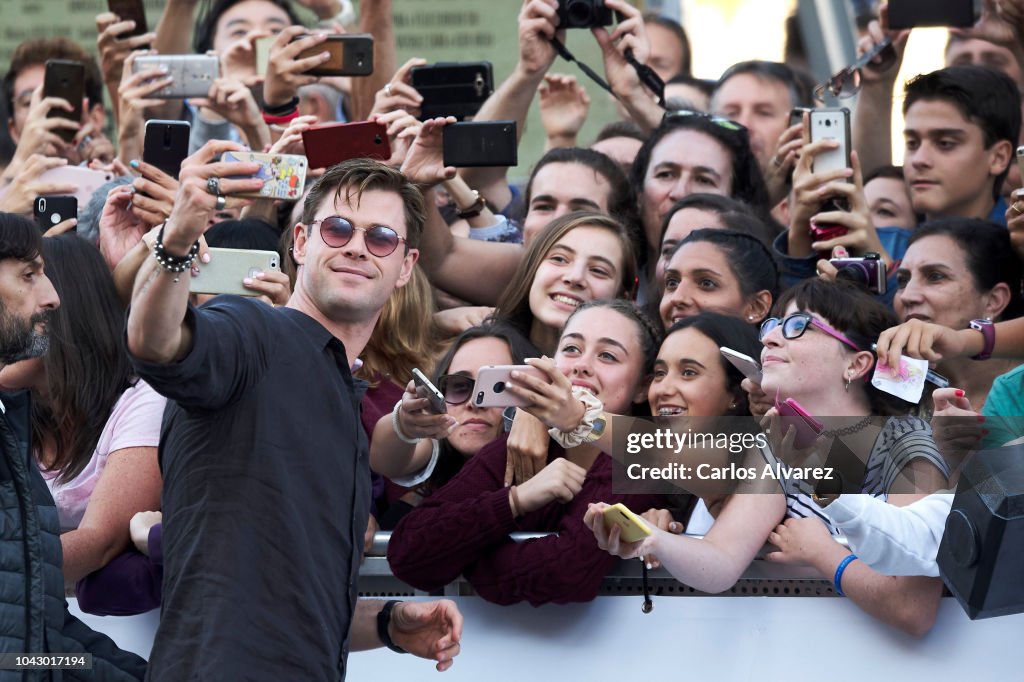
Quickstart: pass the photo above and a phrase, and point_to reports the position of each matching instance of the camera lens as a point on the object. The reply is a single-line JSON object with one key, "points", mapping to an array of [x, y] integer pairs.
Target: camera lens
{"points": [[579, 13], [854, 272], [499, 387], [828, 123], [479, 397]]}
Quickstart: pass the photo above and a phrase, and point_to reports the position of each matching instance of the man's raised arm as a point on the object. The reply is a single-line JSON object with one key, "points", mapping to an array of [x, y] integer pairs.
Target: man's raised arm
{"points": [[157, 331]]}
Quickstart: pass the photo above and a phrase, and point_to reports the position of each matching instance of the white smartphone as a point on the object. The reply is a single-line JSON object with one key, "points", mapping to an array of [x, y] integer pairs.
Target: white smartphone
{"points": [[491, 381], [426, 389], [747, 365], [831, 124], [228, 267]]}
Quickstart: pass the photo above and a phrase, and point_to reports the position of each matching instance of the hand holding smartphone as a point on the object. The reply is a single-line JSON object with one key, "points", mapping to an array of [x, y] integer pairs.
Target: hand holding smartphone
{"points": [[632, 528], [808, 429], [426, 389], [491, 382], [65, 79]]}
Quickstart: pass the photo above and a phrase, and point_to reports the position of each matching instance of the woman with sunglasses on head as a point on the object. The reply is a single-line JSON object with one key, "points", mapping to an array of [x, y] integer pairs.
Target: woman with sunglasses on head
{"points": [[494, 343], [605, 353], [692, 153], [693, 379], [720, 270]]}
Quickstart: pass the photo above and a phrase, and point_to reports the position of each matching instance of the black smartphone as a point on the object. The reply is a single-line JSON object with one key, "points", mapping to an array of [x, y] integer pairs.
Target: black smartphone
{"points": [[351, 55], [166, 145], [66, 79], [910, 13], [796, 115], [456, 89], [50, 211], [130, 10], [483, 143]]}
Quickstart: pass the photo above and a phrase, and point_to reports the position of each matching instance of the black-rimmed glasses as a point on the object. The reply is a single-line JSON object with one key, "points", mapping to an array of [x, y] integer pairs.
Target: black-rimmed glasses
{"points": [[846, 83], [794, 326], [336, 232]]}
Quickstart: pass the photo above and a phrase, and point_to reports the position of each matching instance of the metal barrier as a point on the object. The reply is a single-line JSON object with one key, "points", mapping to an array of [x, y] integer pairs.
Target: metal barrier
{"points": [[762, 578]]}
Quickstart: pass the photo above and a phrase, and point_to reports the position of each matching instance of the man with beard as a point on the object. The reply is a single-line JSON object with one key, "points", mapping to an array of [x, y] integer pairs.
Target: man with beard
{"points": [[34, 618]]}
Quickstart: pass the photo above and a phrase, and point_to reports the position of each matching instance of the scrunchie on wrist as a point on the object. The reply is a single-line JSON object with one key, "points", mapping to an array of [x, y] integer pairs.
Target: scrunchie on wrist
{"points": [[578, 436]]}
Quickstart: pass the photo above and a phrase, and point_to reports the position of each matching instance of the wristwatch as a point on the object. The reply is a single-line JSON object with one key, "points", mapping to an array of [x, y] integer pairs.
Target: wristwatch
{"points": [[988, 330], [383, 621]]}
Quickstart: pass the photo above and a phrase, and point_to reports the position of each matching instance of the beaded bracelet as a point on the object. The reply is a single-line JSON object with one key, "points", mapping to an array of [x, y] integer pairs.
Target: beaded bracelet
{"points": [[175, 264]]}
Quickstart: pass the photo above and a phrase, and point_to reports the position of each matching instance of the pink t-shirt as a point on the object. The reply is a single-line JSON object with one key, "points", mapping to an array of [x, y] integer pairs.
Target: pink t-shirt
{"points": [[133, 423]]}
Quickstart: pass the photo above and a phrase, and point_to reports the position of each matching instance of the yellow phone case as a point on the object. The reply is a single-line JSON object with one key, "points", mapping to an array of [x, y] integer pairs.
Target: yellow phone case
{"points": [[632, 526]]}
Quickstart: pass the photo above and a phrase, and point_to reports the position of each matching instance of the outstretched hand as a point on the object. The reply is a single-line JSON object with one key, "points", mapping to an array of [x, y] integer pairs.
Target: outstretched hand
{"points": [[428, 629]]}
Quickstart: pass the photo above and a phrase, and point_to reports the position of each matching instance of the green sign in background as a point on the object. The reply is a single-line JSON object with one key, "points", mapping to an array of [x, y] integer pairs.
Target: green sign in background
{"points": [[438, 30]]}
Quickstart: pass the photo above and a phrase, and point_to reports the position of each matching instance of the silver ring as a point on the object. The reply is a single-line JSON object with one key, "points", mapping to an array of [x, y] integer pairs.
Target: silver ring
{"points": [[213, 185], [387, 90], [222, 201]]}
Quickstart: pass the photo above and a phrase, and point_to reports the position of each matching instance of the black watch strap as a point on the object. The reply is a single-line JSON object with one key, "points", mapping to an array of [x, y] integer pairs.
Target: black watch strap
{"points": [[383, 620]]}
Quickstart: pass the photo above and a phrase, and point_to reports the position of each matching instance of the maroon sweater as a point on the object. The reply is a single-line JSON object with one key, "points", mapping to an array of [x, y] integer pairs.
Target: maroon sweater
{"points": [[463, 529]]}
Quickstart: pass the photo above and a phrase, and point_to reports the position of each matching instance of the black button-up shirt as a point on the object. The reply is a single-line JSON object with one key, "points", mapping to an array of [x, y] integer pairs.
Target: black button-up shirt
{"points": [[265, 498]]}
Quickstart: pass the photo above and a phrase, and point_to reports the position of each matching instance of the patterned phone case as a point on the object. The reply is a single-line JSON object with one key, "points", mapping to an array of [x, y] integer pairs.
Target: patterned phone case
{"points": [[283, 175]]}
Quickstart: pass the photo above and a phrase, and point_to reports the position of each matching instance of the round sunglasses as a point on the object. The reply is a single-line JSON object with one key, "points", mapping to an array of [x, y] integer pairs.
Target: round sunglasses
{"points": [[794, 326], [336, 232], [456, 388]]}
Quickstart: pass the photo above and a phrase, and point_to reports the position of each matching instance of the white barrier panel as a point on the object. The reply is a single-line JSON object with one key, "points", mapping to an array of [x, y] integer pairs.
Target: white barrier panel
{"points": [[733, 638]]}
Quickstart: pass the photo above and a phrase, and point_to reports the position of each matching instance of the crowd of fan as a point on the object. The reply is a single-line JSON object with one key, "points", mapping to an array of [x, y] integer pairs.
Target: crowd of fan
{"points": [[617, 272]]}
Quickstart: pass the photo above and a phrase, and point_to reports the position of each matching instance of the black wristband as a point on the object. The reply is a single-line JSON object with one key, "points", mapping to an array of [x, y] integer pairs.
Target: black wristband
{"points": [[282, 109], [171, 263], [383, 620]]}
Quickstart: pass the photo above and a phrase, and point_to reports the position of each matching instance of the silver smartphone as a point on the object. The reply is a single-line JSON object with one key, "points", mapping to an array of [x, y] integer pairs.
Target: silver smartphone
{"points": [[426, 389], [228, 267], [491, 382], [193, 74], [747, 365]]}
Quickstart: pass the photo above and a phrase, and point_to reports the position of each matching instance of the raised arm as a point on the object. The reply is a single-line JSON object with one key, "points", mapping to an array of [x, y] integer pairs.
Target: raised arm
{"points": [[872, 118], [157, 331], [473, 270], [512, 99]]}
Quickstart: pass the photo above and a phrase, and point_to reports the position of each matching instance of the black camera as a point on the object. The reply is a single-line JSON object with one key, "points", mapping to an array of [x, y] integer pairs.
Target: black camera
{"points": [[868, 271], [583, 14]]}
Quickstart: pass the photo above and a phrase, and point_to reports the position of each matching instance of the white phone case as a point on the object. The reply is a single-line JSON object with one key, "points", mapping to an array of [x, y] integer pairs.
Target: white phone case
{"points": [[831, 124], [228, 267]]}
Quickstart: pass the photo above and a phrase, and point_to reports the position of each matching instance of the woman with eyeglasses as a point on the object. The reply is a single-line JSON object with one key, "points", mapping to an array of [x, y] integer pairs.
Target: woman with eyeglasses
{"points": [[816, 351], [494, 343], [721, 270], [692, 153], [605, 354]]}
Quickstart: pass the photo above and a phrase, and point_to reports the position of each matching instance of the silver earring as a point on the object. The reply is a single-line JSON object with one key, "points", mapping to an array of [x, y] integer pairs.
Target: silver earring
{"points": [[847, 384], [733, 405], [750, 318]]}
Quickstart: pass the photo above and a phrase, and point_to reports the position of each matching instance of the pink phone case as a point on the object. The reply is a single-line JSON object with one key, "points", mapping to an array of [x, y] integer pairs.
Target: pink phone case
{"points": [[807, 427], [86, 181], [489, 390]]}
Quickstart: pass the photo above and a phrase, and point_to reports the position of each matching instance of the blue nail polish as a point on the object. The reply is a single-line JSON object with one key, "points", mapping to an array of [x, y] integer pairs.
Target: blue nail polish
{"points": [[133, 163]]}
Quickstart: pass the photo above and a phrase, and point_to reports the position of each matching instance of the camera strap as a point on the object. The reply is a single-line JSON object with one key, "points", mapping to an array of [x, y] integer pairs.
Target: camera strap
{"points": [[651, 80]]}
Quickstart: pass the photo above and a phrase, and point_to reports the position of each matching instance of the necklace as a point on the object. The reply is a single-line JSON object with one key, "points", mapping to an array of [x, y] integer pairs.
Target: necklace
{"points": [[847, 430]]}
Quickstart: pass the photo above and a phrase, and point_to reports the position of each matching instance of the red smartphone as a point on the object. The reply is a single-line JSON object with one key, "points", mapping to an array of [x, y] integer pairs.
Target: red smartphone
{"points": [[825, 231], [808, 429], [327, 145]]}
